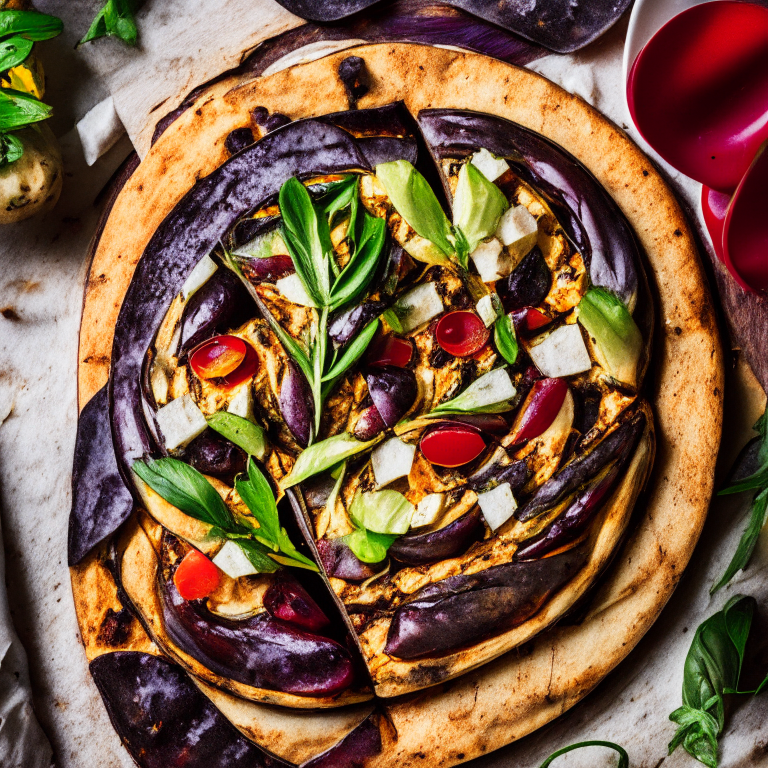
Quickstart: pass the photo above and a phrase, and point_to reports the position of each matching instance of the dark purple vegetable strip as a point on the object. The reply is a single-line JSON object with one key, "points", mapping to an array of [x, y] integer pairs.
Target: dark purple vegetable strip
{"points": [[338, 560], [238, 139], [260, 651], [162, 718], [495, 473], [586, 211], [287, 600], [528, 284], [354, 749], [393, 391], [194, 227], [615, 447], [344, 326], [212, 454], [461, 610], [450, 541], [296, 404], [100, 501]]}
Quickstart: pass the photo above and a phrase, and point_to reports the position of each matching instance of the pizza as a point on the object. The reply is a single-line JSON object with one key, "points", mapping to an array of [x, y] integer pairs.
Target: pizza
{"points": [[376, 415]]}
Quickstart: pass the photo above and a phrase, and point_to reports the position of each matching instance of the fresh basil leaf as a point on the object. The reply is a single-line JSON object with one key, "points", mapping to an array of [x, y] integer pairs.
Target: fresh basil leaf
{"points": [[368, 546], [748, 541], [115, 19], [505, 338], [11, 149], [758, 480], [13, 51], [493, 392], [243, 433], [462, 248], [337, 196], [353, 352], [385, 511], [185, 488], [697, 733], [30, 24], [414, 200], [324, 455], [308, 239], [259, 556], [478, 204], [623, 756], [18, 109]]}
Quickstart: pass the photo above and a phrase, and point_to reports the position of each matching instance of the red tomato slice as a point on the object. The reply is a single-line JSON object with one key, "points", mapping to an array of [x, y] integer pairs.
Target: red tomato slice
{"points": [[452, 446], [196, 576], [528, 319], [218, 356], [540, 408], [391, 350], [461, 333], [244, 371]]}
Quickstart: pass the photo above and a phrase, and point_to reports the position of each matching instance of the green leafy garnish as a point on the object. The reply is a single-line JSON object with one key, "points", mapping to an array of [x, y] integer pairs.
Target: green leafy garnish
{"points": [[353, 352], [368, 546], [382, 512], [30, 24], [712, 669], [324, 455], [258, 497], [493, 392], [758, 481], [478, 205], [11, 149], [243, 433], [623, 756], [115, 19], [19, 109], [13, 51], [504, 336]]}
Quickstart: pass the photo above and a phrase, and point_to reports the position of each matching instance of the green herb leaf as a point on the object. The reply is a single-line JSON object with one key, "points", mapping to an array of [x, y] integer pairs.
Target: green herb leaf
{"points": [[623, 756], [353, 351], [243, 433], [258, 555], [115, 19], [477, 206], [324, 455], [19, 109], [385, 511], [30, 24], [11, 149], [504, 333], [13, 51], [759, 478], [368, 546], [185, 488], [415, 201], [337, 196], [493, 392], [462, 249]]}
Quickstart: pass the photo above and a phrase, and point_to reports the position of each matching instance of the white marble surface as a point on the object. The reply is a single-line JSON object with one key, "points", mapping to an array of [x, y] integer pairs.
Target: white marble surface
{"points": [[41, 282]]}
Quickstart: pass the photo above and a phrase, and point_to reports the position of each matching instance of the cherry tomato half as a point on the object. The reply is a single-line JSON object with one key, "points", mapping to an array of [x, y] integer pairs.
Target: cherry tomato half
{"points": [[218, 356], [461, 333], [196, 576], [540, 408], [391, 350], [452, 446], [528, 319], [244, 371]]}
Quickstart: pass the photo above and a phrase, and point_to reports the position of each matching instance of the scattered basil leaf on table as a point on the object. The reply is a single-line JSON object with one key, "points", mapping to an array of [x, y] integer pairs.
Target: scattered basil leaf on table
{"points": [[13, 51], [623, 756], [243, 433], [115, 19], [758, 480], [478, 204], [30, 24]]}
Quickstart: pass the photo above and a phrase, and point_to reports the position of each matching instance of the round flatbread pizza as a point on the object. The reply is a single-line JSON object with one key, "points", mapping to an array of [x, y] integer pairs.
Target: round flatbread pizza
{"points": [[374, 355]]}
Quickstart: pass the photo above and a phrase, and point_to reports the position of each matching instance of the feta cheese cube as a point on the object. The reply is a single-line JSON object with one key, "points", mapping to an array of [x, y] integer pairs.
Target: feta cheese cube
{"points": [[233, 561], [561, 353], [497, 505], [200, 274], [392, 460], [518, 231], [181, 421], [491, 261], [242, 403], [416, 307], [489, 165], [486, 310], [428, 510], [292, 289]]}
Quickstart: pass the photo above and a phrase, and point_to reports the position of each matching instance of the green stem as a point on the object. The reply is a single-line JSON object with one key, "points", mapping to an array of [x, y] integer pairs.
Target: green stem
{"points": [[321, 341]]}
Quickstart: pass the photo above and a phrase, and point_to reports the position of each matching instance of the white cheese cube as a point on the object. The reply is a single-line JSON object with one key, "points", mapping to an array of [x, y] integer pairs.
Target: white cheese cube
{"points": [[242, 403], [392, 460], [490, 389], [428, 510], [233, 561], [292, 289], [489, 165], [418, 306], [199, 276], [497, 505], [486, 310], [181, 421], [561, 353], [491, 260], [518, 231]]}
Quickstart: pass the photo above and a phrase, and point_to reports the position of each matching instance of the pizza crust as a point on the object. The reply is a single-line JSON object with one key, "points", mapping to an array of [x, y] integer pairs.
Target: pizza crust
{"points": [[521, 691]]}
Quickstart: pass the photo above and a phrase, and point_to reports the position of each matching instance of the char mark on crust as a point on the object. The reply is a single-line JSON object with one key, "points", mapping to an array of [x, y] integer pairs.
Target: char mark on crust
{"points": [[160, 715], [100, 501], [192, 230]]}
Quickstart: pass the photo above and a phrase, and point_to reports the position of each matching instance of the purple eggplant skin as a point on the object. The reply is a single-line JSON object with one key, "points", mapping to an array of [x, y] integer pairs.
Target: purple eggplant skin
{"points": [[615, 447], [275, 121], [162, 718], [494, 473], [340, 561], [345, 325], [353, 73], [287, 600], [219, 304], [589, 215], [238, 139], [528, 284], [212, 454], [247, 229], [260, 651], [100, 501], [450, 541], [462, 610], [369, 424], [192, 230], [354, 750], [295, 404], [490, 423], [393, 391]]}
